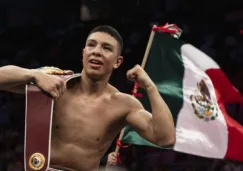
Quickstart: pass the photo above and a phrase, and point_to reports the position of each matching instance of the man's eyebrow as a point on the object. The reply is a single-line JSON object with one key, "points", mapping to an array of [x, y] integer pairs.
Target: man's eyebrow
{"points": [[91, 40]]}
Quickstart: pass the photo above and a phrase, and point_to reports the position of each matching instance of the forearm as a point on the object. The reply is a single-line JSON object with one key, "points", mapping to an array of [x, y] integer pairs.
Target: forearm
{"points": [[162, 120], [12, 76]]}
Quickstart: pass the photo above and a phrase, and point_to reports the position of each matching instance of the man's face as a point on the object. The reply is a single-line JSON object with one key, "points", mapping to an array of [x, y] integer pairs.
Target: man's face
{"points": [[100, 55]]}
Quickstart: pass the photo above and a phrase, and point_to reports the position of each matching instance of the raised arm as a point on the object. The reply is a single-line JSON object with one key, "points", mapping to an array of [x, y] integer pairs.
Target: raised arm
{"points": [[157, 127], [14, 79]]}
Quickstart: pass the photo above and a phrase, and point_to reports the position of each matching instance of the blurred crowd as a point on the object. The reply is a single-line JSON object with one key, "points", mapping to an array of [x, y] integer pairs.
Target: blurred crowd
{"points": [[11, 132], [57, 41]]}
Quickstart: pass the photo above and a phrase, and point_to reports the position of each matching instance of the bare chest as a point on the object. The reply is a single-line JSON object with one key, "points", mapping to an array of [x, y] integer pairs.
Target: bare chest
{"points": [[90, 122]]}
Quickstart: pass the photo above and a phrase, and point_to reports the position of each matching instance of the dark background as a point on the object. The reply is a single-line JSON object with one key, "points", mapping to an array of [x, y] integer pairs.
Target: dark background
{"points": [[52, 33]]}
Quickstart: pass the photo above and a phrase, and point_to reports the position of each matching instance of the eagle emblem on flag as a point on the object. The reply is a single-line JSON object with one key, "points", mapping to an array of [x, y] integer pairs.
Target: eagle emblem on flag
{"points": [[202, 103]]}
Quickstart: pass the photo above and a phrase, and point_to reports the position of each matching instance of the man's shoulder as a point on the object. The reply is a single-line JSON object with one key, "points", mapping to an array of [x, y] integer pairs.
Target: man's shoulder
{"points": [[123, 97], [71, 80], [70, 77], [115, 93]]}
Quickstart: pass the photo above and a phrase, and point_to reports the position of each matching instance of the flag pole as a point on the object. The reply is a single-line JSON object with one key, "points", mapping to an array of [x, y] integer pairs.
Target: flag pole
{"points": [[151, 38], [145, 57]]}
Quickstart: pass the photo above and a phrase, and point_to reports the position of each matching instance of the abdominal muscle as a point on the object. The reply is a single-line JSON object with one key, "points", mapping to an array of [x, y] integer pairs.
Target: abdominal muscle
{"points": [[74, 158]]}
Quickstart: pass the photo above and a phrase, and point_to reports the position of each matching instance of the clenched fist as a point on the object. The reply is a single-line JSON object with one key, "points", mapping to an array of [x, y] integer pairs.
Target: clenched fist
{"points": [[138, 75]]}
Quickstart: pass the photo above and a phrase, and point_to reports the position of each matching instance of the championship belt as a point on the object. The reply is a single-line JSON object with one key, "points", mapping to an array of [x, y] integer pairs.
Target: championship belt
{"points": [[38, 123], [38, 127]]}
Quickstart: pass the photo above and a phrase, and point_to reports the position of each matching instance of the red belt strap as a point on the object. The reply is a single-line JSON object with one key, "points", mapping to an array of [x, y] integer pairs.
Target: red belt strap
{"points": [[38, 126], [38, 122]]}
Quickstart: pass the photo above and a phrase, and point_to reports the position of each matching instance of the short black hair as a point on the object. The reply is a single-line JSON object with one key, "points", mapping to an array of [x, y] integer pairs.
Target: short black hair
{"points": [[112, 32]]}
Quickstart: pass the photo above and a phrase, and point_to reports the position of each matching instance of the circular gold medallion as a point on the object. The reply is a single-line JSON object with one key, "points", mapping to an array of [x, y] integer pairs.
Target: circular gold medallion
{"points": [[36, 161]]}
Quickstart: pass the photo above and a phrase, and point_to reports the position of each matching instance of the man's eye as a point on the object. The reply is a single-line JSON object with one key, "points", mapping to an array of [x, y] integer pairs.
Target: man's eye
{"points": [[107, 48]]}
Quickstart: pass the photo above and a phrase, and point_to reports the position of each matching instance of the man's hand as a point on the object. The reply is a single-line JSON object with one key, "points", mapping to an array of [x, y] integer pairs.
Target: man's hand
{"points": [[138, 75], [111, 159], [51, 84]]}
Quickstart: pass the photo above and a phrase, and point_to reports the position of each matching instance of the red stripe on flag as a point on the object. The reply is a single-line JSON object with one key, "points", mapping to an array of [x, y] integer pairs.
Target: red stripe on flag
{"points": [[229, 93], [226, 93]]}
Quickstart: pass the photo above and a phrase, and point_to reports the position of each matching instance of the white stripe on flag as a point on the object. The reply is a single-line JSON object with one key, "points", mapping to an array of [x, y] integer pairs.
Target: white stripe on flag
{"points": [[193, 135]]}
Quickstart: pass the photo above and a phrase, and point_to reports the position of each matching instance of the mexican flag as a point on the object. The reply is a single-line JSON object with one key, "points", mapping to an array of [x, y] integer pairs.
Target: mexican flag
{"points": [[196, 91]]}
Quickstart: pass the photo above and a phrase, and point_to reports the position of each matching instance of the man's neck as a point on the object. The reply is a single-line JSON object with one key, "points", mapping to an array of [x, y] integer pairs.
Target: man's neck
{"points": [[91, 86]]}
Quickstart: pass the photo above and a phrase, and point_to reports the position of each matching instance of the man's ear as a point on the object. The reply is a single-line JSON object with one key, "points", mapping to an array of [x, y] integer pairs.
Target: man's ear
{"points": [[82, 52], [119, 61]]}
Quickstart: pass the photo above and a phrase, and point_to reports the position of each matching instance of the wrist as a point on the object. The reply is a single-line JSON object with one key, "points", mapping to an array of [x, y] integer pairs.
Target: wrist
{"points": [[32, 74], [151, 87]]}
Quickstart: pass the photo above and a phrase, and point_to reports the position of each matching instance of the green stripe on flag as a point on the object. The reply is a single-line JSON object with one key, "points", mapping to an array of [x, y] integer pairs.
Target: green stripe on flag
{"points": [[165, 68]]}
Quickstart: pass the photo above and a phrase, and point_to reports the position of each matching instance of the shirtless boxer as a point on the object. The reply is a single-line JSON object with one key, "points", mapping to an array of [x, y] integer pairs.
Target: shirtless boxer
{"points": [[91, 112]]}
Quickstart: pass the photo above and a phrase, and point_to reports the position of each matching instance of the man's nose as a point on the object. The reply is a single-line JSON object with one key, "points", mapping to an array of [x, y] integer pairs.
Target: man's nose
{"points": [[97, 50]]}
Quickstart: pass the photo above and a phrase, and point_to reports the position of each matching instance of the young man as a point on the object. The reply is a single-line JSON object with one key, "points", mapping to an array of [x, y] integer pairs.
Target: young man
{"points": [[91, 112]]}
